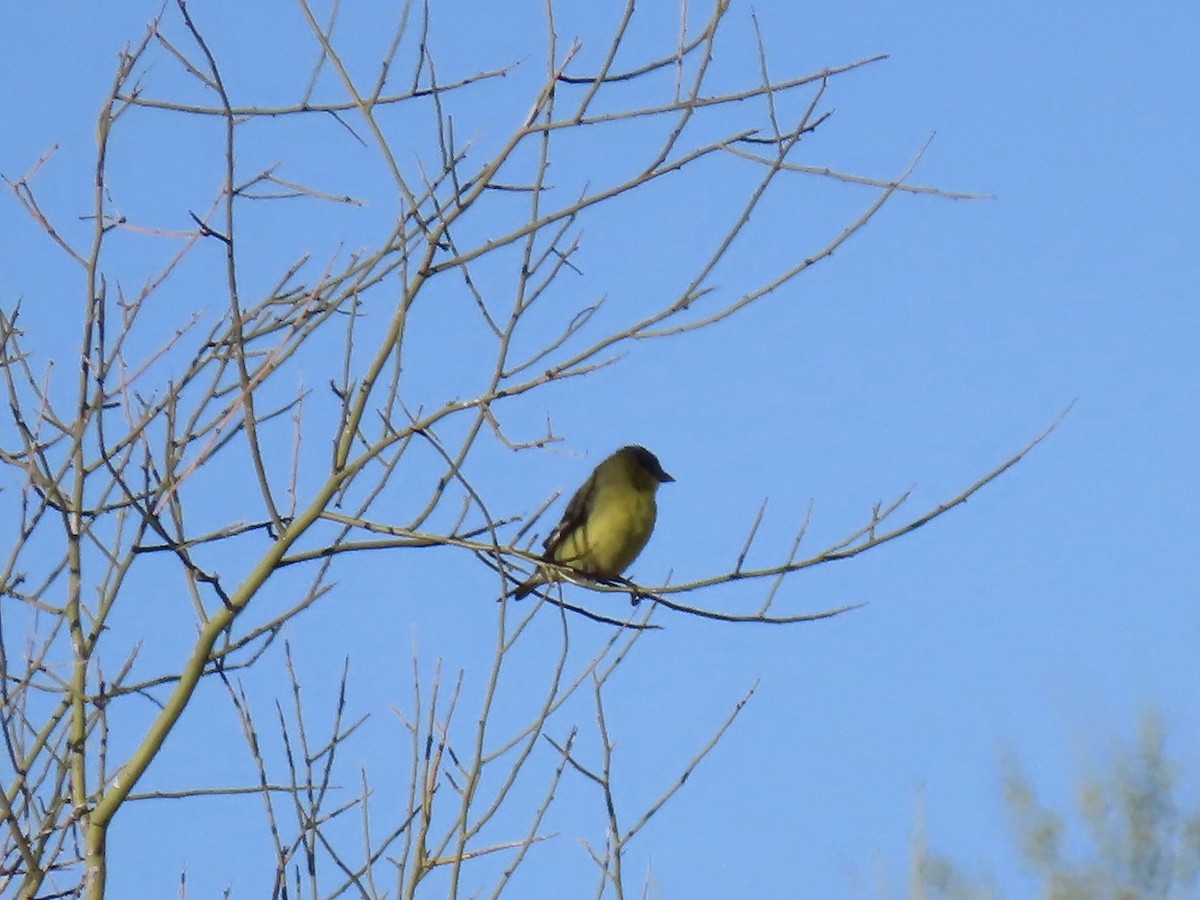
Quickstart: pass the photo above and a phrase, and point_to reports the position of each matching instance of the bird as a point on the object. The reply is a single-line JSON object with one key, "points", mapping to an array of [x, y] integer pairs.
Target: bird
{"points": [[608, 521]]}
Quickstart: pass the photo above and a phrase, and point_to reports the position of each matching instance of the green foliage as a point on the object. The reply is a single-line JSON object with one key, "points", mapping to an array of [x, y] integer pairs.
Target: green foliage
{"points": [[1129, 837]]}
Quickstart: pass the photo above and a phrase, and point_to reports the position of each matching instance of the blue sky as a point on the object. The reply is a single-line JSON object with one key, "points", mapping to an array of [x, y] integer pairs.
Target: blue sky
{"points": [[1047, 615]]}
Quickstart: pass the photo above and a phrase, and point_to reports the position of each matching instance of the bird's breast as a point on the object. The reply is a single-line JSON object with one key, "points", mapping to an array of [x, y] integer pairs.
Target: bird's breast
{"points": [[615, 532]]}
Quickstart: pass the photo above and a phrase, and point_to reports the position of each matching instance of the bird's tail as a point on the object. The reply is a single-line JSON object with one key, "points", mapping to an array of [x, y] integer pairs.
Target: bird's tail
{"points": [[525, 589]]}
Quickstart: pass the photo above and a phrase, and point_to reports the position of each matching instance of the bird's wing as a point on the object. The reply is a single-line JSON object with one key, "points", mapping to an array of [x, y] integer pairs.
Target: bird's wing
{"points": [[576, 514]]}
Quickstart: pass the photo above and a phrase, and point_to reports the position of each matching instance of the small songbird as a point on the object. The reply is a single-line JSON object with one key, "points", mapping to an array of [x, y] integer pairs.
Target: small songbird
{"points": [[607, 522]]}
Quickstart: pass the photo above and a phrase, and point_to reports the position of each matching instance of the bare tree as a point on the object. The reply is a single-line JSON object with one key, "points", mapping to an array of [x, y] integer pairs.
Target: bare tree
{"points": [[357, 386]]}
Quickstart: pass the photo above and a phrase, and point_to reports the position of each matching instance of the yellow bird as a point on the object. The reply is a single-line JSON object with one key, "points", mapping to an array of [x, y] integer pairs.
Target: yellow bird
{"points": [[608, 521]]}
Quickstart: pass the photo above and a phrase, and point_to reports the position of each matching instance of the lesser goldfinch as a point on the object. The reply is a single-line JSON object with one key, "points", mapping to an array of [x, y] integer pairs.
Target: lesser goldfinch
{"points": [[608, 521]]}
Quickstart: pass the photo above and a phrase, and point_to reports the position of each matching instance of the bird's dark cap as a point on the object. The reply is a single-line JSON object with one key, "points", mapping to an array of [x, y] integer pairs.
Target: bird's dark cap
{"points": [[649, 462]]}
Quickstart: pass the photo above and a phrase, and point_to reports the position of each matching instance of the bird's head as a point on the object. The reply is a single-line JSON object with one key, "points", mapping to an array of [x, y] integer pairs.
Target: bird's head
{"points": [[645, 462]]}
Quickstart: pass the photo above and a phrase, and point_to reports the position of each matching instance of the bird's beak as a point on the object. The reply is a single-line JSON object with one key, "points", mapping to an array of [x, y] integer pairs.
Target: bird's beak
{"points": [[664, 477]]}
